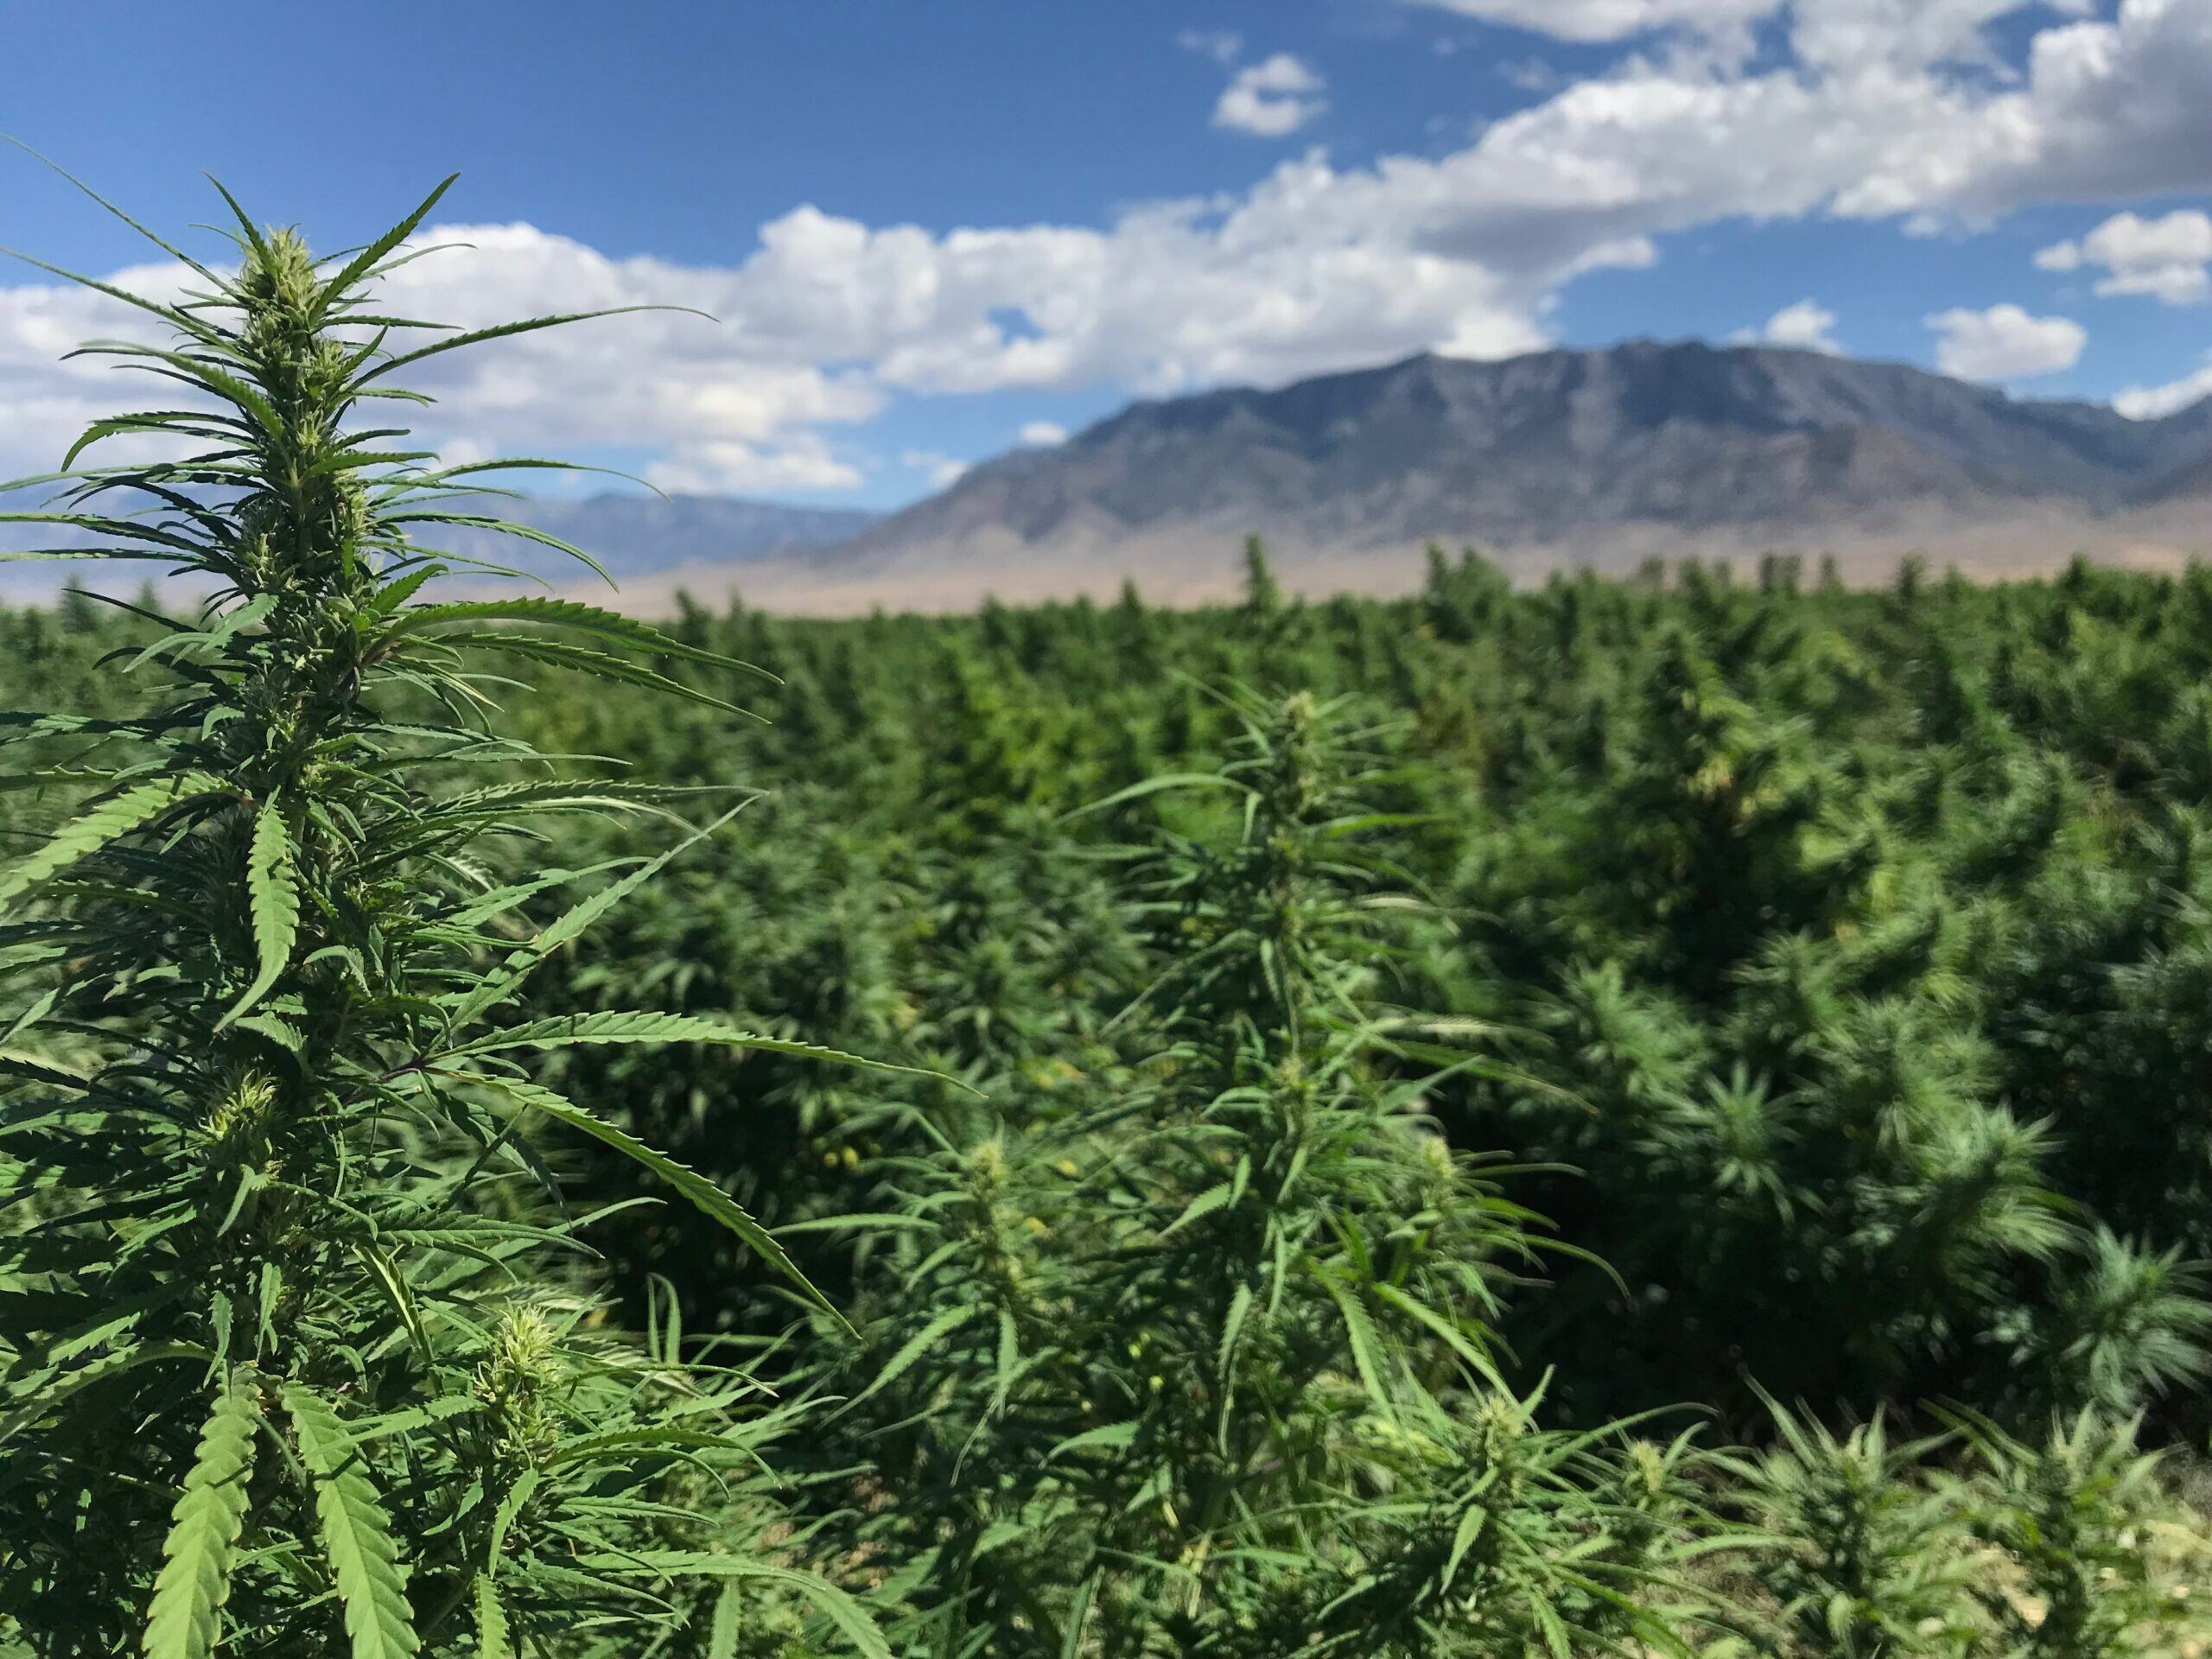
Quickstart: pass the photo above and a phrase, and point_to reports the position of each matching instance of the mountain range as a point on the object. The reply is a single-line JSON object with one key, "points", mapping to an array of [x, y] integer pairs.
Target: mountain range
{"points": [[1558, 458], [1569, 457], [634, 534]]}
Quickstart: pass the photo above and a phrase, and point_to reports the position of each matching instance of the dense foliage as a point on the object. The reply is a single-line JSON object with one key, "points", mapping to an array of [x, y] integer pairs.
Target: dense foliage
{"points": [[1654, 1114], [291, 1352]]}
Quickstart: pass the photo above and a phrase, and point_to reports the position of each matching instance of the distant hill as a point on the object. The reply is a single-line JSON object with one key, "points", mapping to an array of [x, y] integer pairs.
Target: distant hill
{"points": [[636, 534], [632, 534], [1565, 456]]}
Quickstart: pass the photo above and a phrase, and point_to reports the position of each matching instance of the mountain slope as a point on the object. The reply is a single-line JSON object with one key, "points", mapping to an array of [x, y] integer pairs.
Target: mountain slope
{"points": [[1586, 453]]}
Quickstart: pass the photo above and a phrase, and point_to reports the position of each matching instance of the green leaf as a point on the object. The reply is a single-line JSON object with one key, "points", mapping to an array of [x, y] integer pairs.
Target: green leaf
{"points": [[273, 891], [709, 1199], [490, 1621], [574, 614], [186, 1620], [456, 341], [365, 261], [1232, 1328], [496, 987], [503, 1518], [1213, 1199], [573, 1030], [911, 1350], [1110, 1437], [840, 1609], [1157, 785], [111, 818], [1453, 1332], [559, 653], [1079, 1614], [639, 1440], [1463, 1539], [50, 1394], [721, 1640], [1366, 1347], [355, 1530]]}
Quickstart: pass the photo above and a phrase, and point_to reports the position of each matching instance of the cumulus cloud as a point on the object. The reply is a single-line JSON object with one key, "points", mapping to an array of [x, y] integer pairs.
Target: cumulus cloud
{"points": [[2153, 402], [1609, 20], [1808, 325], [2168, 259], [1272, 98], [829, 317], [1821, 32], [802, 462], [45, 402], [2005, 343], [1044, 432]]}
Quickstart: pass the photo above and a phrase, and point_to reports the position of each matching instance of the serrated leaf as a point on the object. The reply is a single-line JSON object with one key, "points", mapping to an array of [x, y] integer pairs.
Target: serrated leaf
{"points": [[503, 1518], [911, 1350], [573, 1030], [599, 664], [1213, 1199], [840, 1609], [1463, 1539], [111, 818], [497, 986], [356, 1532], [503, 331], [1366, 1349], [570, 614], [1453, 1334], [1109, 1437], [704, 1196], [1232, 1328], [365, 261], [185, 1619], [490, 1621], [49, 1394], [722, 1639], [273, 894]]}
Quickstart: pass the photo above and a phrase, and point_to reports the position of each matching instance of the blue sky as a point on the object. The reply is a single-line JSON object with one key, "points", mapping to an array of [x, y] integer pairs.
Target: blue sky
{"points": [[931, 227]]}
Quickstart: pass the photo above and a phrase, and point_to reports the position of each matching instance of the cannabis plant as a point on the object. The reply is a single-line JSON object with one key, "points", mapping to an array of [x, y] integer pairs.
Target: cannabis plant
{"points": [[1206, 1365], [1864, 1560], [291, 1356], [2099, 1561]]}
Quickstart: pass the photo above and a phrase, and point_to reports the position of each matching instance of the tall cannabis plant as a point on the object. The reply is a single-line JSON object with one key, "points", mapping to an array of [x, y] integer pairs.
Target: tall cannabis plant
{"points": [[287, 1359], [1204, 1365]]}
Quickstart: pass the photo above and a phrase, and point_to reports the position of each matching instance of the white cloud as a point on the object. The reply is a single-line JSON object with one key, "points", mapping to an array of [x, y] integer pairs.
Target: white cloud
{"points": [[1822, 32], [1609, 20], [802, 462], [2167, 259], [1807, 326], [1903, 34], [942, 471], [1272, 98], [1222, 45], [2152, 403], [829, 317], [2005, 343], [1880, 109], [1045, 432]]}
